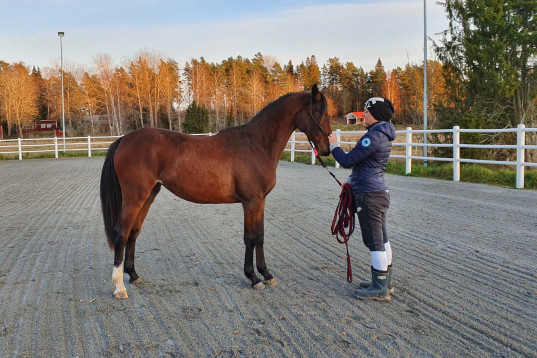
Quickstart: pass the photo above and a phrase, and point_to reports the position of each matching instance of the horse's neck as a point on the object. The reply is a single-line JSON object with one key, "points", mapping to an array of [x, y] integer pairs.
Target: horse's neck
{"points": [[273, 129]]}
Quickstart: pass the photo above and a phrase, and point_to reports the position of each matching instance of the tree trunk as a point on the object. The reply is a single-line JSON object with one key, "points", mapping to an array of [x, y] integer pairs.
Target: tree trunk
{"points": [[170, 116]]}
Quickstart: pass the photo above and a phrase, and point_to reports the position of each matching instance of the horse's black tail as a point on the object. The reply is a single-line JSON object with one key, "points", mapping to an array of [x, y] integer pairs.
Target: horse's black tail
{"points": [[110, 195]]}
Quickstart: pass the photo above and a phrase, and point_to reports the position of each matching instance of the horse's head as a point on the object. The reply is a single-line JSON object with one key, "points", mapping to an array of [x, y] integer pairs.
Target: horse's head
{"points": [[314, 122]]}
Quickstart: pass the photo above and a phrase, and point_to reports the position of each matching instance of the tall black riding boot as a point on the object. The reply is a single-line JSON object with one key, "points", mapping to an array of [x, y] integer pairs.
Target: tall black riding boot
{"points": [[378, 291], [366, 284]]}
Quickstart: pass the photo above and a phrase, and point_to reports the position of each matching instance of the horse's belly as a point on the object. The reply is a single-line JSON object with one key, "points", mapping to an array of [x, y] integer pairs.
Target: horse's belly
{"points": [[211, 194]]}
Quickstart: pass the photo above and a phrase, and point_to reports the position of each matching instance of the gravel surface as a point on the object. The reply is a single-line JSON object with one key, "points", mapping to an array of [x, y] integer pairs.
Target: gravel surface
{"points": [[465, 272]]}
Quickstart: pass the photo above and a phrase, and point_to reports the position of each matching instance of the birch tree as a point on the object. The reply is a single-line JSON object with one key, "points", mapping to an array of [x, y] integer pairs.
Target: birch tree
{"points": [[236, 75], [217, 87], [18, 97], [94, 100], [169, 81], [105, 73]]}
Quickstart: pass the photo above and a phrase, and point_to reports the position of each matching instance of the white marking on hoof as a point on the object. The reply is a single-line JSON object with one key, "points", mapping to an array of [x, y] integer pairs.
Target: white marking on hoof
{"points": [[259, 286], [121, 295], [117, 278], [271, 282]]}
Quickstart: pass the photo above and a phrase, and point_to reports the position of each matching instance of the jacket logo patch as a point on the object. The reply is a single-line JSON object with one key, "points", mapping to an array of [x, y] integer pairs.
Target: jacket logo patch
{"points": [[366, 142]]}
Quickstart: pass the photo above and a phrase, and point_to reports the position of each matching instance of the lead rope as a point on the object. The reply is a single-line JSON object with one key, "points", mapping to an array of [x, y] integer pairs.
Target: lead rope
{"points": [[344, 220], [322, 161], [344, 215]]}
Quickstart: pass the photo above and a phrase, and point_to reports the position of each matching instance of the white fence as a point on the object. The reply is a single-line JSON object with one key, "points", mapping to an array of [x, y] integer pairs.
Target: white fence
{"points": [[55, 145], [408, 146], [411, 150]]}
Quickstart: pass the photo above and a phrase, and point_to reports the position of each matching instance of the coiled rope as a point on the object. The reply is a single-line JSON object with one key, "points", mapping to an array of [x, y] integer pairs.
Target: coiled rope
{"points": [[344, 222]]}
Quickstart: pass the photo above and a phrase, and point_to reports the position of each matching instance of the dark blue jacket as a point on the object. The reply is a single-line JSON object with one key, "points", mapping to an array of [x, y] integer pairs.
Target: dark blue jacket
{"points": [[368, 158]]}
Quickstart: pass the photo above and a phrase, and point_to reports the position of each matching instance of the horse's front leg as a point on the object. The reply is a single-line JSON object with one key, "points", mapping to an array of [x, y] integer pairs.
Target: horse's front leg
{"points": [[261, 264], [254, 212], [129, 257]]}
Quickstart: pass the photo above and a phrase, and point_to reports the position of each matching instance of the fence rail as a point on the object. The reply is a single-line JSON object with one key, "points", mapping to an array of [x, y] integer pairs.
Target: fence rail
{"points": [[410, 148], [21, 146], [406, 148]]}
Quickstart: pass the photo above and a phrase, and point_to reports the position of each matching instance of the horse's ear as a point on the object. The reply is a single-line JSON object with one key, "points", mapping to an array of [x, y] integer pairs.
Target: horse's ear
{"points": [[315, 92]]}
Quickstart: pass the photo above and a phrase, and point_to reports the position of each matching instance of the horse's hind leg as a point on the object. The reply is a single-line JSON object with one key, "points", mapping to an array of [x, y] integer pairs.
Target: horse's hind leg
{"points": [[129, 212], [135, 230], [120, 291], [122, 233]]}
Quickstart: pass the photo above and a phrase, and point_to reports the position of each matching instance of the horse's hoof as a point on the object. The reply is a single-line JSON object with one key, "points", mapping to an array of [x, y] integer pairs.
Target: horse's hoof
{"points": [[259, 286], [271, 282], [121, 295], [137, 281]]}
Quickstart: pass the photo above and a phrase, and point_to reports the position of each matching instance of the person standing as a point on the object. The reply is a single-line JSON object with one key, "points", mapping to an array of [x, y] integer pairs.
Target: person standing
{"points": [[371, 195]]}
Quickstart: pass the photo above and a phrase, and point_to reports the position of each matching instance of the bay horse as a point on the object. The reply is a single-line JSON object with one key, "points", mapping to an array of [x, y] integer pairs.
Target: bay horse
{"points": [[237, 165]]}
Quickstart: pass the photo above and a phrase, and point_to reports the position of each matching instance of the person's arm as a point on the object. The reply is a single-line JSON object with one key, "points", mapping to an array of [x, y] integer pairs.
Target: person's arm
{"points": [[362, 150]]}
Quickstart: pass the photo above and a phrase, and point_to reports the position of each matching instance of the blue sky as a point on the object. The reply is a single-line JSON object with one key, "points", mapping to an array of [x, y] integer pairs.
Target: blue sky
{"points": [[354, 31]]}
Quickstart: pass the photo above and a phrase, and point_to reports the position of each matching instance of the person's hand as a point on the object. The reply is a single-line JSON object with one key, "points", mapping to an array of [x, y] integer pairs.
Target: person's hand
{"points": [[332, 138]]}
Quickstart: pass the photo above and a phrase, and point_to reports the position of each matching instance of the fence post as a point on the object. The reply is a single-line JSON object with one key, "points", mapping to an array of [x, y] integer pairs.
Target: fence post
{"points": [[56, 147], [312, 156], [456, 154], [89, 146], [293, 135], [20, 148], [520, 155], [408, 150], [338, 135]]}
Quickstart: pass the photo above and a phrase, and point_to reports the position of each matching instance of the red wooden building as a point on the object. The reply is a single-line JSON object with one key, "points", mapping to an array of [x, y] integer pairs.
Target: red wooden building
{"points": [[43, 126], [354, 118]]}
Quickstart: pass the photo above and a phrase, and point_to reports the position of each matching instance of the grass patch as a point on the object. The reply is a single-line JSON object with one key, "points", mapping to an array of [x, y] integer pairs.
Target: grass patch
{"points": [[82, 153], [61, 154], [470, 173]]}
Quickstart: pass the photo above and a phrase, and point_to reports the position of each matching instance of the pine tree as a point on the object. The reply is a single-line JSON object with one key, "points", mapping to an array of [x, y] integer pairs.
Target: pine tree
{"points": [[42, 112], [377, 78], [196, 119], [489, 52], [309, 73]]}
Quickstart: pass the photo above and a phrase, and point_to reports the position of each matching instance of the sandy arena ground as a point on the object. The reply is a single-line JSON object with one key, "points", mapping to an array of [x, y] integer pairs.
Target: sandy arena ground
{"points": [[464, 270]]}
